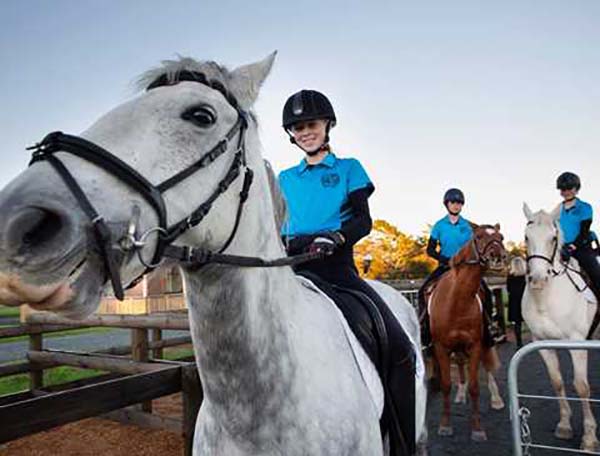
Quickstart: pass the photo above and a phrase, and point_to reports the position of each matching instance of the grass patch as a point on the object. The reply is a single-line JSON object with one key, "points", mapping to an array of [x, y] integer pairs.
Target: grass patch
{"points": [[183, 351], [67, 332], [54, 376], [64, 374], [13, 312]]}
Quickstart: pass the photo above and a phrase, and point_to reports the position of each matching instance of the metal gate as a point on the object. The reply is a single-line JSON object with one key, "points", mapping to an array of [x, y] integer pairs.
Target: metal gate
{"points": [[519, 416]]}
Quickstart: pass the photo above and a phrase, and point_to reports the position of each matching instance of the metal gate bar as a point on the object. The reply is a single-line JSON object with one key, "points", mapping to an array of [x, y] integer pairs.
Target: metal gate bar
{"points": [[513, 389]]}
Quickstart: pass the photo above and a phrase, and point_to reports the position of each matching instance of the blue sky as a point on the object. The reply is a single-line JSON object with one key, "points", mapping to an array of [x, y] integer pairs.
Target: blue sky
{"points": [[494, 97]]}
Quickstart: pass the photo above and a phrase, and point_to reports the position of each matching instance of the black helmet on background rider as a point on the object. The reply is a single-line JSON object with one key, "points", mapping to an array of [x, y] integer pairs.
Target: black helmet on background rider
{"points": [[568, 181], [307, 105], [454, 195]]}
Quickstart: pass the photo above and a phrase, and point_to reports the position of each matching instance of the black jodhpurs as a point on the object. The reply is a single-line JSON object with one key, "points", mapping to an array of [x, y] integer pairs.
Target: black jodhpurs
{"points": [[587, 259]]}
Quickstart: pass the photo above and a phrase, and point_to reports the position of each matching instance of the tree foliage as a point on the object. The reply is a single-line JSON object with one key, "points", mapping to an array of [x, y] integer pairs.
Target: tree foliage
{"points": [[395, 255]]}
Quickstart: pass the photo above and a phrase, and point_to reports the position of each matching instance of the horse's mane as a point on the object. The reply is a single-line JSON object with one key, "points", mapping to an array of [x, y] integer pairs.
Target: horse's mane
{"points": [[279, 205], [172, 69]]}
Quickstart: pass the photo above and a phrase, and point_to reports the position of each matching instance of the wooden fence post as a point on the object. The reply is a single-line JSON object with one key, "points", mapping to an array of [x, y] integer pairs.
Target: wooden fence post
{"points": [[157, 353], [192, 398], [36, 376], [139, 352]]}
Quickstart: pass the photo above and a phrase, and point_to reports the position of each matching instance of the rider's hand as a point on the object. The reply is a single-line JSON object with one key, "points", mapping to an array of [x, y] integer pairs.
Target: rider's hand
{"points": [[326, 242], [566, 251]]}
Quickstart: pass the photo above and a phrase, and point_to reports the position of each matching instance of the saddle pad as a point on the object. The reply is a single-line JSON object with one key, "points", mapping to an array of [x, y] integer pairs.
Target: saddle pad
{"points": [[578, 281], [365, 366]]}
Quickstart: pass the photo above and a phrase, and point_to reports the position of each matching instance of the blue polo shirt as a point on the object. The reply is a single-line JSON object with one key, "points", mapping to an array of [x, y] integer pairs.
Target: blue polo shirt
{"points": [[317, 195], [451, 236], [570, 219]]}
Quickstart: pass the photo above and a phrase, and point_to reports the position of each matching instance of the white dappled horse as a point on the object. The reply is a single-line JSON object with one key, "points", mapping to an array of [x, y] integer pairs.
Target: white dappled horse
{"points": [[554, 308], [275, 360]]}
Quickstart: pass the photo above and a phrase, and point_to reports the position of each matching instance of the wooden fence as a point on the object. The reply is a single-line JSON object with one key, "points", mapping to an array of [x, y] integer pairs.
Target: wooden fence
{"points": [[124, 393]]}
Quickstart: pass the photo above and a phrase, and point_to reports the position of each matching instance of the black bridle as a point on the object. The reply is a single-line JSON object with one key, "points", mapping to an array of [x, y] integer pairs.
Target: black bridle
{"points": [[111, 250], [480, 258]]}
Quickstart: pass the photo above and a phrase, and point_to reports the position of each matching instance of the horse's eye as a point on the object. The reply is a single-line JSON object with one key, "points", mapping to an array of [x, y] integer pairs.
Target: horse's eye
{"points": [[201, 116], [526, 239]]}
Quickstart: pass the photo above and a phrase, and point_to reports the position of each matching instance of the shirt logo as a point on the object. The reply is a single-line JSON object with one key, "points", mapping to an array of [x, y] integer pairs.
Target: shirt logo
{"points": [[330, 180]]}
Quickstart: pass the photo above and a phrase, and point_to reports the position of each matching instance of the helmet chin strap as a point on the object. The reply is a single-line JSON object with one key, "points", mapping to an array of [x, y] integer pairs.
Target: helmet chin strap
{"points": [[321, 148]]}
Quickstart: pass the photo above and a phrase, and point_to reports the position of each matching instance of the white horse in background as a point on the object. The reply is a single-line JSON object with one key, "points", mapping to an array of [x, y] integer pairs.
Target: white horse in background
{"points": [[275, 361], [554, 308]]}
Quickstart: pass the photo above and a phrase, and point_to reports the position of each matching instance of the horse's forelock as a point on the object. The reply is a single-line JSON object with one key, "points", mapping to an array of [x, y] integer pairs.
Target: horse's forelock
{"points": [[170, 70]]}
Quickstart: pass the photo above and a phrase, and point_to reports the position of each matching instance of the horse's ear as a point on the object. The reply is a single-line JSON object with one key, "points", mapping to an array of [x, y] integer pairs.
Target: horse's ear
{"points": [[497, 227], [247, 80], [474, 226], [527, 212]]}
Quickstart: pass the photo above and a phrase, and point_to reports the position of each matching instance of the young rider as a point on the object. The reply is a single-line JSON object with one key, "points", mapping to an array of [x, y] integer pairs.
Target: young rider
{"points": [[575, 223], [328, 212], [450, 233]]}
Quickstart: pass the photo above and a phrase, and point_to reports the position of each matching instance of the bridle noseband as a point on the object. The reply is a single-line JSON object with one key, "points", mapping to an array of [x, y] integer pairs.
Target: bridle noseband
{"points": [[113, 252]]}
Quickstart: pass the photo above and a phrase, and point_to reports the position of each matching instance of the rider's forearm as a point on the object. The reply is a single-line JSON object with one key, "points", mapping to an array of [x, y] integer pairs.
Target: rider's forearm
{"points": [[359, 225], [584, 233], [432, 249]]}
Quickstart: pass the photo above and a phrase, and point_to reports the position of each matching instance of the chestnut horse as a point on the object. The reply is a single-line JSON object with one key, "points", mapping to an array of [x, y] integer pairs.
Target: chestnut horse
{"points": [[456, 318]]}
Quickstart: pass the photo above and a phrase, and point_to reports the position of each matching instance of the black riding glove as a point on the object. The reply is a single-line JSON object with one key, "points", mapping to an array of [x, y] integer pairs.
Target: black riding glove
{"points": [[565, 252], [326, 242], [444, 261]]}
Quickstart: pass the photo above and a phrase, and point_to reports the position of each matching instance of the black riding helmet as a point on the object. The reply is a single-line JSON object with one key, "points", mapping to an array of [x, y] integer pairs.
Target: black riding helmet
{"points": [[567, 181], [454, 195], [307, 105]]}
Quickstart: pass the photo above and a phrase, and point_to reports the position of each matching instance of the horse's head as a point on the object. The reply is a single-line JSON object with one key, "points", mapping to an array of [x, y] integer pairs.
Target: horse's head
{"points": [[487, 241], [176, 155], [543, 239]]}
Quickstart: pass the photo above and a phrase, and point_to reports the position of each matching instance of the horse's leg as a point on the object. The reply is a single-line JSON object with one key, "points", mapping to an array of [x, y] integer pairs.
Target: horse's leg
{"points": [[443, 358], [563, 428], [477, 433], [496, 401], [589, 441], [491, 364], [461, 391]]}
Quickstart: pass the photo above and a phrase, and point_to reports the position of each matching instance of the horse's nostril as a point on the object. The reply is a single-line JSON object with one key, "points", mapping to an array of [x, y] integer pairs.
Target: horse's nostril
{"points": [[32, 227]]}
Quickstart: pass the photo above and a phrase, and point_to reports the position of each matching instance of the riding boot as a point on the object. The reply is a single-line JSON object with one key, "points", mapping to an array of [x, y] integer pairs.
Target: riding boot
{"points": [[401, 386]]}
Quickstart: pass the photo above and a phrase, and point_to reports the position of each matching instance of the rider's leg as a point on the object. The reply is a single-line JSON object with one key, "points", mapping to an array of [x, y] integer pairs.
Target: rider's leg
{"points": [[423, 312], [588, 261]]}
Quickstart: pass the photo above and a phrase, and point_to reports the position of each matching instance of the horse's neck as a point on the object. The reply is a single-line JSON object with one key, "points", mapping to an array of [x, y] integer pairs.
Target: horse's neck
{"points": [[239, 321], [468, 277]]}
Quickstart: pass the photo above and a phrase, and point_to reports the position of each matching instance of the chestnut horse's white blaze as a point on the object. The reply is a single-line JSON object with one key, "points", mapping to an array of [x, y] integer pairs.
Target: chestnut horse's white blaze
{"points": [[278, 374], [554, 309]]}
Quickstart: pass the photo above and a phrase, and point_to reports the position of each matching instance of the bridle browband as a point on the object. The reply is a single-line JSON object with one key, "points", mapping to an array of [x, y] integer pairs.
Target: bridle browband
{"points": [[112, 251]]}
